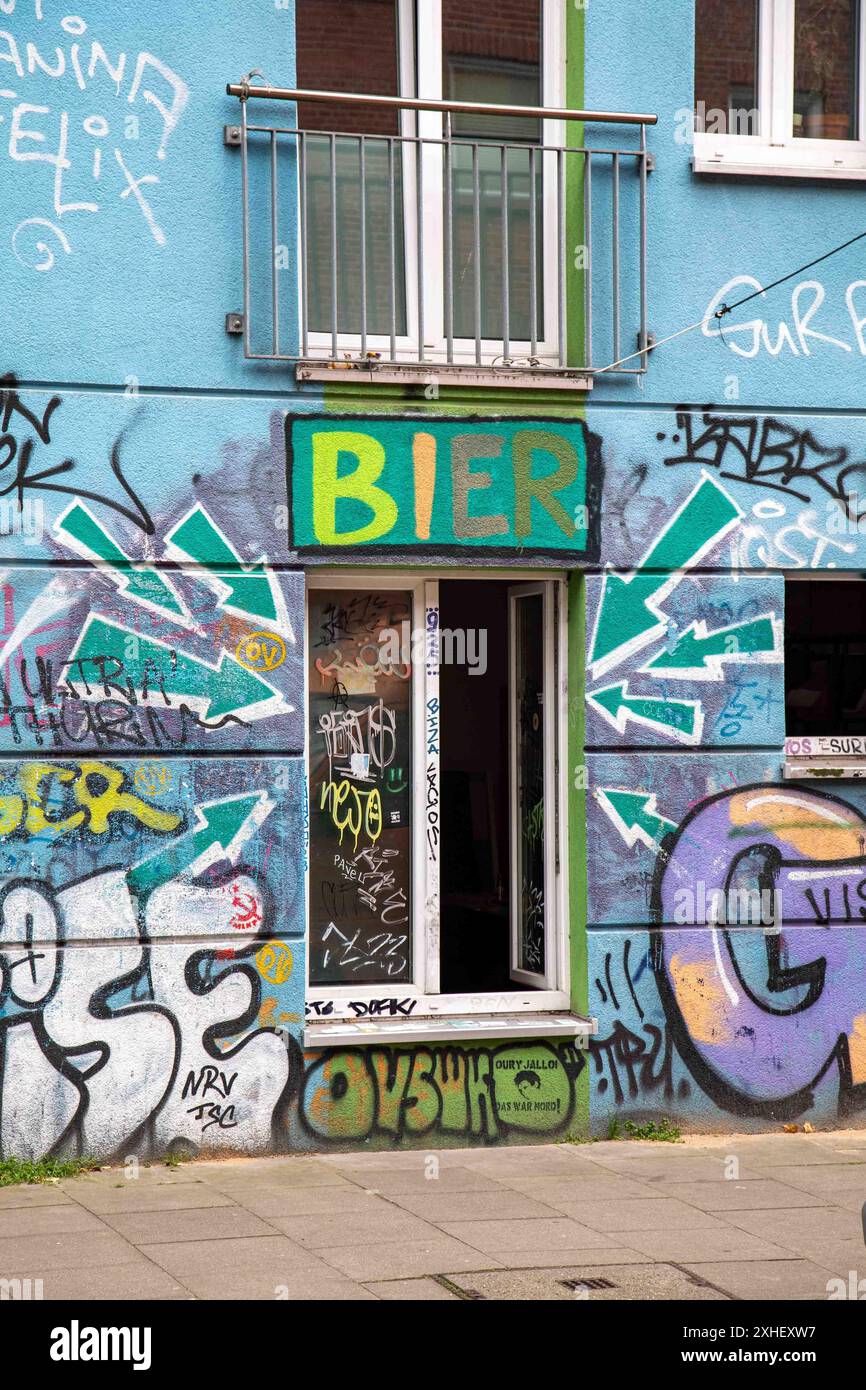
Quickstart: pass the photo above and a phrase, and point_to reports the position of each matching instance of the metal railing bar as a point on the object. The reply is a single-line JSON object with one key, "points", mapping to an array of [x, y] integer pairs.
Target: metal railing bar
{"points": [[533, 253], [305, 260], [333, 169], [244, 91], [643, 250], [275, 289], [587, 238], [476, 243], [615, 258], [362, 162], [419, 174], [560, 256], [449, 242], [245, 198], [506, 306], [392, 247]]}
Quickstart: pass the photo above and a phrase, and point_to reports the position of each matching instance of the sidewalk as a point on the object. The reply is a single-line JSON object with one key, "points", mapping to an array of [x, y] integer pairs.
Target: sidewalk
{"points": [[644, 1220]]}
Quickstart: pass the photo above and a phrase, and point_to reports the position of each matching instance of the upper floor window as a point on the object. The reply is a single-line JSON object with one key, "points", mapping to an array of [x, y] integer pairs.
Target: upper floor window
{"points": [[779, 87], [414, 228]]}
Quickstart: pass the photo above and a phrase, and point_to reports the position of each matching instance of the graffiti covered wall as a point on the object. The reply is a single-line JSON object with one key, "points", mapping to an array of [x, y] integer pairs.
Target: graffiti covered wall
{"points": [[152, 959], [706, 1013]]}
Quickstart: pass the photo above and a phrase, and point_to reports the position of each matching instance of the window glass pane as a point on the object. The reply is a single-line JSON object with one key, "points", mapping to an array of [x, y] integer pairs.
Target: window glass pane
{"points": [[360, 712], [726, 67], [492, 54], [825, 69], [529, 695], [352, 46]]}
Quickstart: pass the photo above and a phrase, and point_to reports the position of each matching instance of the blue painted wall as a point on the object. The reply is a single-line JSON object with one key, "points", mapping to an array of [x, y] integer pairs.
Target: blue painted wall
{"points": [[718, 1025]]}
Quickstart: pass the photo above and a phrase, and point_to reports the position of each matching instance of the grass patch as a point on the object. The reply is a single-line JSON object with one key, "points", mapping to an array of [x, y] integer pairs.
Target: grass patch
{"points": [[177, 1157], [662, 1132], [25, 1170]]}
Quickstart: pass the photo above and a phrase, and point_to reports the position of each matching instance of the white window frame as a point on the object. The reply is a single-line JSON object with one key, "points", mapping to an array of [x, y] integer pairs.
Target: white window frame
{"points": [[424, 985], [420, 40], [775, 150]]}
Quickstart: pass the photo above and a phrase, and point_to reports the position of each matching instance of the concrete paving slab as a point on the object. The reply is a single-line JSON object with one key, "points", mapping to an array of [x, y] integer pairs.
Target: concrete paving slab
{"points": [[656, 1167], [324, 1200], [545, 1256], [210, 1223], [133, 1195], [761, 1194], [552, 1233], [692, 1247], [791, 1226], [263, 1267], [436, 1254], [828, 1180], [127, 1282], [413, 1290], [379, 1222], [599, 1186], [451, 1178], [47, 1194], [73, 1250], [777, 1151], [37, 1221], [648, 1214], [437, 1206], [288, 1172], [766, 1279]]}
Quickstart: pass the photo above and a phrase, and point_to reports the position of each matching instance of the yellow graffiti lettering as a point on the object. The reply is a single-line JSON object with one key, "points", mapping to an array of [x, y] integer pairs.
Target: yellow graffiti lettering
{"points": [[30, 778], [352, 808], [103, 803]]}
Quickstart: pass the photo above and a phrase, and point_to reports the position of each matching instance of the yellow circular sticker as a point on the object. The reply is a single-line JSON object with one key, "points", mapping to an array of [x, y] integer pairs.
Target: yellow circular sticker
{"points": [[275, 962], [261, 651]]}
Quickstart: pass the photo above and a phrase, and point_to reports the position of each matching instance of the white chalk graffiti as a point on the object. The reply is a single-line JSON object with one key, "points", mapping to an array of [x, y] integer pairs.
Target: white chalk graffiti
{"points": [[127, 90]]}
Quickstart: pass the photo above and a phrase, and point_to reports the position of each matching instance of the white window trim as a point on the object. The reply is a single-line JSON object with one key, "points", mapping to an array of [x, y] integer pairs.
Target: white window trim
{"points": [[420, 30], [775, 150], [425, 908]]}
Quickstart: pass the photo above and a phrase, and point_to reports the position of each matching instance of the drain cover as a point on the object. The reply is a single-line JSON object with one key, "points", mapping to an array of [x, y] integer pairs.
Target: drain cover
{"points": [[577, 1284]]}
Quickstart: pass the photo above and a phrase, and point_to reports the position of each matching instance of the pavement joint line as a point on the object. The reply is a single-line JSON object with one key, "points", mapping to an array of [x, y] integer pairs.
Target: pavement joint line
{"points": [[704, 1283]]}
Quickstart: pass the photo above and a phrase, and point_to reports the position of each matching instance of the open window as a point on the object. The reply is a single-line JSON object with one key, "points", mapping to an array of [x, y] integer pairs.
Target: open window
{"points": [[779, 87], [436, 877]]}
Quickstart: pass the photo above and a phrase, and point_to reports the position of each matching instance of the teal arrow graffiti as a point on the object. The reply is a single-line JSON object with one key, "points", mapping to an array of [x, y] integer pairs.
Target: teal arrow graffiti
{"points": [[635, 815], [222, 827], [83, 533], [682, 720], [247, 590], [700, 654], [152, 666], [629, 615]]}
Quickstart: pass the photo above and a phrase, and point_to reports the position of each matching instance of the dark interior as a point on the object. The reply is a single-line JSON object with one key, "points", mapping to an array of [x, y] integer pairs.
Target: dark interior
{"points": [[825, 656], [474, 860]]}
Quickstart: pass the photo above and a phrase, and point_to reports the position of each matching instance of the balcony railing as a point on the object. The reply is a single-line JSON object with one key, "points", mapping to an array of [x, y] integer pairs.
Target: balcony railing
{"points": [[416, 239]]}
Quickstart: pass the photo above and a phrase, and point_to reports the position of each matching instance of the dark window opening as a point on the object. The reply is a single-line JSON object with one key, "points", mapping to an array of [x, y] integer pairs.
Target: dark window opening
{"points": [[825, 656]]}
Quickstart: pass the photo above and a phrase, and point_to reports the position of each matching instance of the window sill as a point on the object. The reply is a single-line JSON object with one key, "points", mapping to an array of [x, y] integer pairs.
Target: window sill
{"points": [[348, 1032], [735, 167], [451, 374]]}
